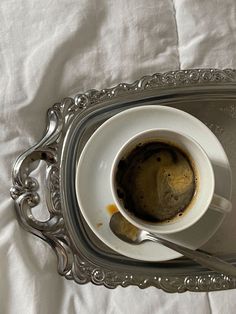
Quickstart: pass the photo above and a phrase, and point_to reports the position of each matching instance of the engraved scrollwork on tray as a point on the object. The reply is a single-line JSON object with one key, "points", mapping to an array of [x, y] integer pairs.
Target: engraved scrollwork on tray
{"points": [[71, 263], [158, 80]]}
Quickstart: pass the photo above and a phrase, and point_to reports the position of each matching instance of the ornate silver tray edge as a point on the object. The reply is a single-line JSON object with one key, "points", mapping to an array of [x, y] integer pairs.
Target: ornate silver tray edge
{"points": [[71, 263]]}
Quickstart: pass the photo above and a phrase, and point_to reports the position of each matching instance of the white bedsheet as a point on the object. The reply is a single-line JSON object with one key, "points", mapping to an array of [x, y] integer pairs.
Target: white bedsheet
{"points": [[50, 49]]}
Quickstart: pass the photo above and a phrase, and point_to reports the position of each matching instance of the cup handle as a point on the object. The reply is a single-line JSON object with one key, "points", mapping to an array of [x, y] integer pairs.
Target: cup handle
{"points": [[220, 204]]}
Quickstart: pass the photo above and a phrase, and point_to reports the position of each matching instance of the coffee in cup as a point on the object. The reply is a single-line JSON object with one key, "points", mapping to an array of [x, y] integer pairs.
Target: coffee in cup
{"points": [[156, 181]]}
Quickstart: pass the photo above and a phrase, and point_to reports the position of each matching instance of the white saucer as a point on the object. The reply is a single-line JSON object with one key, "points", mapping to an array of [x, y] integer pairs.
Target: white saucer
{"points": [[93, 173]]}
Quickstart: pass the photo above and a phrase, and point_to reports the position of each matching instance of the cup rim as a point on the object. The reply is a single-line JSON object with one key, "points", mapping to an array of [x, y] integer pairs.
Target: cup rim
{"points": [[151, 227]]}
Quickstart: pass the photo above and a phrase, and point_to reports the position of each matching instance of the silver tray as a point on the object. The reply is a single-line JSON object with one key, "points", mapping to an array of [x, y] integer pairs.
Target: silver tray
{"points": [[208, 94]]}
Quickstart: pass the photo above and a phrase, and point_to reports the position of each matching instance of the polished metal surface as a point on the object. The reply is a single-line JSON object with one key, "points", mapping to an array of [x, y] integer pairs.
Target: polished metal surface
{"points": [[208, 94]]}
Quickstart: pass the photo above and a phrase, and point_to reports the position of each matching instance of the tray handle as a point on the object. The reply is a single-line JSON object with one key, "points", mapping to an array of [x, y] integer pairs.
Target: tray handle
{"points": [[24, 190]]}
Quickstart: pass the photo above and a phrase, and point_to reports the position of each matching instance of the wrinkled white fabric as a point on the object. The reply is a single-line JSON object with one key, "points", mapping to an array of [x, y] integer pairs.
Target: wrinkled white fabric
{"points": [[52, 49]]}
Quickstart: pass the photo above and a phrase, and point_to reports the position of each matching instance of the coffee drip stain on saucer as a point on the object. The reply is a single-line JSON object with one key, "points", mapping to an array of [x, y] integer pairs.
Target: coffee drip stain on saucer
{"points": [[112, 209], [125, 227]]}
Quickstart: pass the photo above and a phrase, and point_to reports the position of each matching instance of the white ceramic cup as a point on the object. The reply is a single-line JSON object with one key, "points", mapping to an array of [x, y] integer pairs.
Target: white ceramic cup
{"points": [[204, 197]]}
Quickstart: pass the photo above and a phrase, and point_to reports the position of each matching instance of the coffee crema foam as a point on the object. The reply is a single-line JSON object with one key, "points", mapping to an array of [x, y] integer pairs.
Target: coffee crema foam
{"points": [[156, 181]]}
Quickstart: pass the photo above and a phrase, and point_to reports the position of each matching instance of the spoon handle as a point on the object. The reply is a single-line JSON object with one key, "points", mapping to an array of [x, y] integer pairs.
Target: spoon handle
{"points": [[203, 258]]}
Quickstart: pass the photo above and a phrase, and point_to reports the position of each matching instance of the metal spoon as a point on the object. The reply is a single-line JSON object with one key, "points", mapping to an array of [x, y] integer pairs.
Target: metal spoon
{"points": [[129, 233]]}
